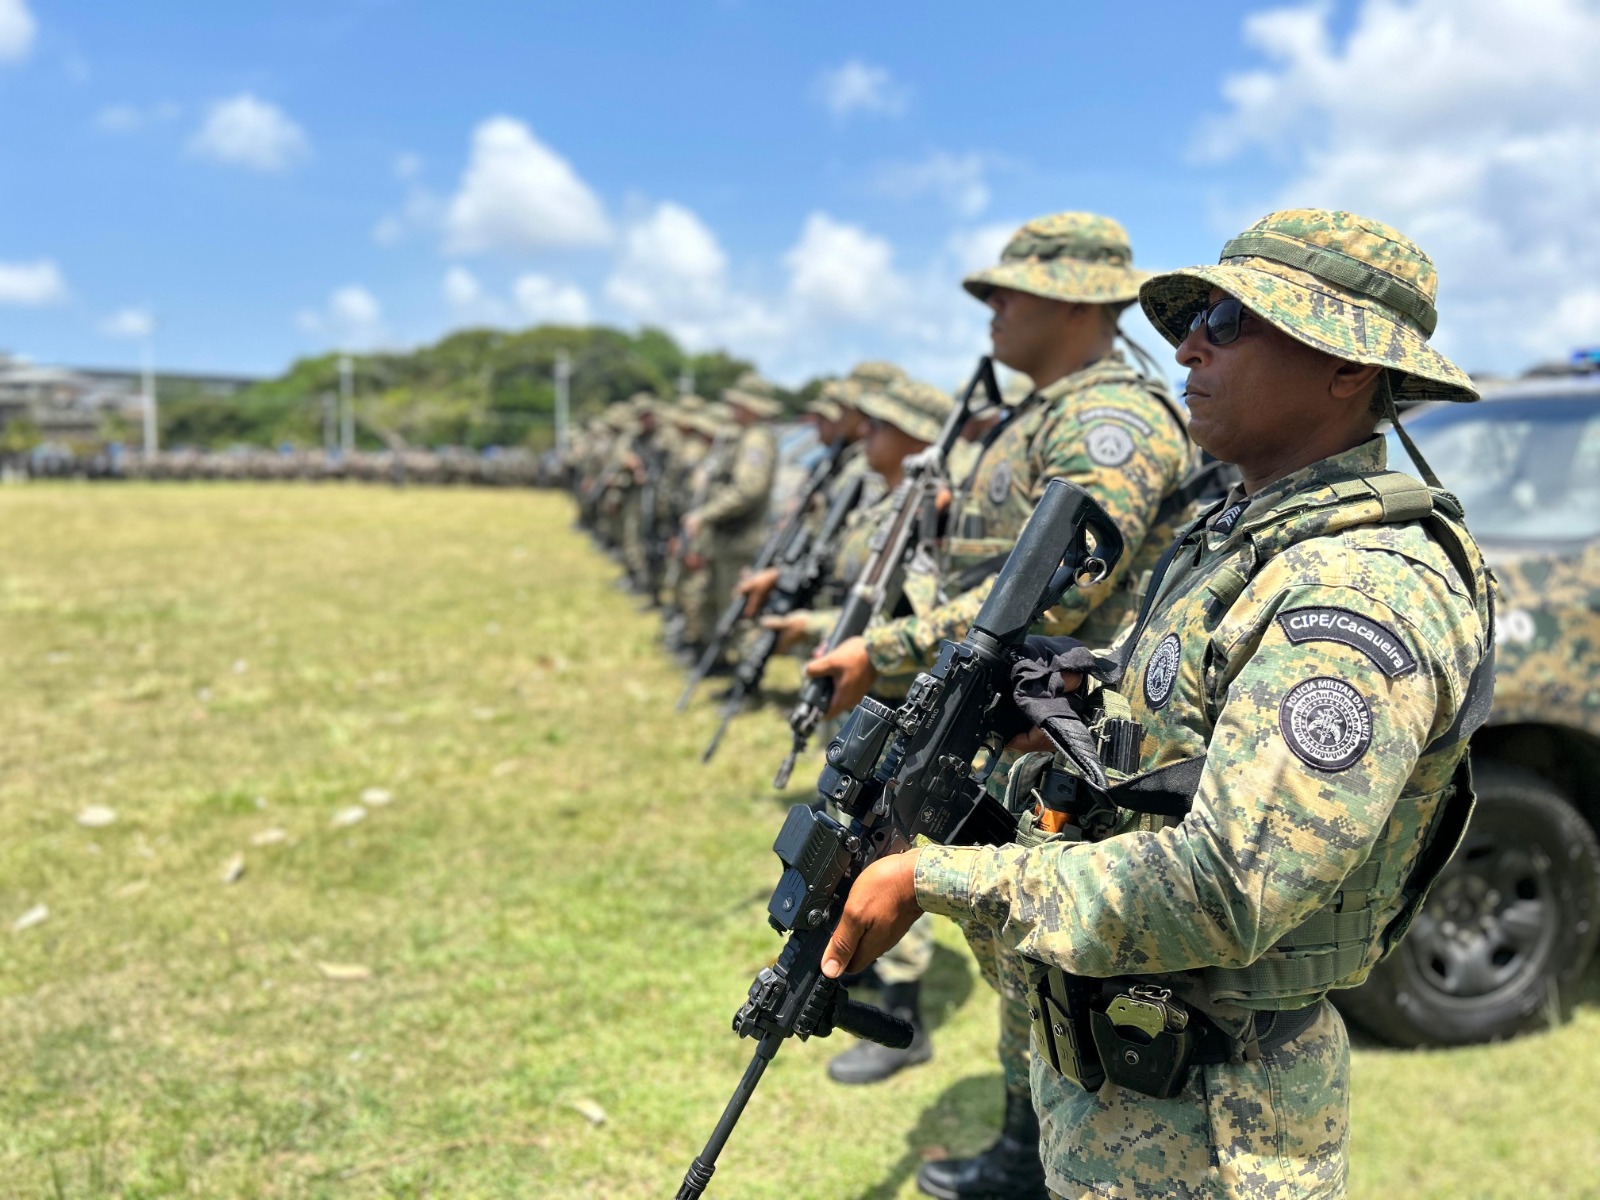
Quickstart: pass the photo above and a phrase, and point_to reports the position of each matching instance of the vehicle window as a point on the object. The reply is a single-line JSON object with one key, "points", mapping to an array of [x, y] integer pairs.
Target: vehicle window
{"points": [[1524, 469]]}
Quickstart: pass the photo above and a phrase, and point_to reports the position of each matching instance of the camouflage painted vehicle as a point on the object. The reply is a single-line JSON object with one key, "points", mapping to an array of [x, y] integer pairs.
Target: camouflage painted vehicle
{"points": [[1513, 922]]}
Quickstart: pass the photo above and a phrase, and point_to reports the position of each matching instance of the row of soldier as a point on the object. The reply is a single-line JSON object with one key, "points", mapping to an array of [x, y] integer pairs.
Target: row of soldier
{"points": [[1299, 339]]}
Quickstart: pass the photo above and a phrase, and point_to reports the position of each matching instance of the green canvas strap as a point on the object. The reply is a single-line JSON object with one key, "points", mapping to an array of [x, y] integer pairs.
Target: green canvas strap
{"points": [[1326, 263]]}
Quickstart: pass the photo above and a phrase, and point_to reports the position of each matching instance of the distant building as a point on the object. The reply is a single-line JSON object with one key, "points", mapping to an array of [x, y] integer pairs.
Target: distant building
{"points": [[70, 402]]}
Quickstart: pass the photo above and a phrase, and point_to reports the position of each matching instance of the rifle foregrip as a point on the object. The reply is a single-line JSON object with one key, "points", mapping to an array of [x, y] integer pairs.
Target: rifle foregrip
{"points": [[873, 1024]]}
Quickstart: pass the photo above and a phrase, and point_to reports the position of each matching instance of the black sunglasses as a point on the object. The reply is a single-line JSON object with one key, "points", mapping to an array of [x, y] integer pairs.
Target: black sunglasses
{"points": [[1222, 320]]}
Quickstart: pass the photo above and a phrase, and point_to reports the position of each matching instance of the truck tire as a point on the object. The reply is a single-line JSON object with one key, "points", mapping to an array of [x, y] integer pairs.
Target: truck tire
{"points": [[1506, 931]]}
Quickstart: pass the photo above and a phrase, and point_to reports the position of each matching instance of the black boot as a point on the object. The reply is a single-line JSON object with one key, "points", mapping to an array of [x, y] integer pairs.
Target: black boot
{"points": [[1008, 1170], [868, 1062]]}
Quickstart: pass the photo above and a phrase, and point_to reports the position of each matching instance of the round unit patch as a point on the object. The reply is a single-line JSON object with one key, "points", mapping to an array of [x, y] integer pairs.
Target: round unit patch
{"points": [[1108, 444], [1000, 484], [1161, 672], [1326, 722]]}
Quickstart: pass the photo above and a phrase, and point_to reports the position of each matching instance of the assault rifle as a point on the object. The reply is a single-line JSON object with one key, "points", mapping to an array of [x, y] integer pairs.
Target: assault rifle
{"points": [[801, 575], [896, 774], [776, 547], [877, 589]]}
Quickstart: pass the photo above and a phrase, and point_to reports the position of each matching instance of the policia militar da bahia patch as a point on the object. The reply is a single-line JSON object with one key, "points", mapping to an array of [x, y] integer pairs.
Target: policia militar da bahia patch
{"points": [[1326, 722], [1373, 638]]}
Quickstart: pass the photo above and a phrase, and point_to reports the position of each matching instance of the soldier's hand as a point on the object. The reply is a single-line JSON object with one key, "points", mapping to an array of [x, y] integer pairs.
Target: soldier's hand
{"points": [[691, 524], [791, 628], [881, 907], [852, 671], [755, 588]]}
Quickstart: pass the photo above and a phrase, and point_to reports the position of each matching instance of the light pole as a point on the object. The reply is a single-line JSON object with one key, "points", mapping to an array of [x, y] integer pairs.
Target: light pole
{"points": [[148, 371], [347, 402], [563, 381]]}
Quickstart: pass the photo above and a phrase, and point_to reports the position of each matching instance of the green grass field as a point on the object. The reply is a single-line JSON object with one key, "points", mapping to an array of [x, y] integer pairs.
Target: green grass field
{"points": [[559, 909]]}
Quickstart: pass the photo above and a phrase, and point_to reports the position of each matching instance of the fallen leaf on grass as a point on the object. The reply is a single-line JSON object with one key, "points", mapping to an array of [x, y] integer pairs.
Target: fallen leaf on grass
{"points": [[268, 837], [233, 868], [97, 816], [377, 797], [344, 972], [133, 889], [591, 1111], [346, 817], [501, 769], [34, 916]]}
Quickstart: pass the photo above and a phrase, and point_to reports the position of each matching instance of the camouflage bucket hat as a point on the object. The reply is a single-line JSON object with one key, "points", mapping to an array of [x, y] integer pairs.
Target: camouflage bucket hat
{"points": [[755, 394], [843, 392], [876, 374], [827, 409], [1346, 285], [916, 409], [1077, 257]]}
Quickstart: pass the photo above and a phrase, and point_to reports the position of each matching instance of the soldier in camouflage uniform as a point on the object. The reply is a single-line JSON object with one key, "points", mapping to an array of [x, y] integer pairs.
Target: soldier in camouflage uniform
{"points": [[727, 528], [1091, 418], [1312, 660]]}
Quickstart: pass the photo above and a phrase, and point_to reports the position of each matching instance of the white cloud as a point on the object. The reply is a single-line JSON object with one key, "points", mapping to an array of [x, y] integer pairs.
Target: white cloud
{"points": [[860, 87], [32, 285], [1471, 125], [352, 319], [129, 323], [840, 272], [543, 300], [519, 194], [248, 132], [462, 289], [957, 179], [671, 268], [17, 29], [407, 165], [130, 118], [974, 249]]}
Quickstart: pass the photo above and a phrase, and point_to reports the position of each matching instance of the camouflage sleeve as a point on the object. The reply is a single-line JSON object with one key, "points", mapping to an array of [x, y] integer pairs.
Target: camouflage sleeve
{"points": [[1130, 485], [755, 462], [1309, 754]]}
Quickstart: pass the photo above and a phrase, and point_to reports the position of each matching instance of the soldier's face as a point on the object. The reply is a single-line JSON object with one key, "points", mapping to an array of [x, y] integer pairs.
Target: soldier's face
{"points": [[887, 447], [1025, 328], [1257, 396]]}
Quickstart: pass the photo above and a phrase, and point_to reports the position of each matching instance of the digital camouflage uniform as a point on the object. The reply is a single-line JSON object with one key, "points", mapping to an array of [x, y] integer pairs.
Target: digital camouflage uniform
{"points": [[695, 600], [734, 513], [1103, 428], [1314, 643]]}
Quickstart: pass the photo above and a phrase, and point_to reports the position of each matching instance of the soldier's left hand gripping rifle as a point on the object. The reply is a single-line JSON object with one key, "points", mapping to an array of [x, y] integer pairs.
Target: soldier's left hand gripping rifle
{"points": [[801, 574], [776, 547], [898, 774]]}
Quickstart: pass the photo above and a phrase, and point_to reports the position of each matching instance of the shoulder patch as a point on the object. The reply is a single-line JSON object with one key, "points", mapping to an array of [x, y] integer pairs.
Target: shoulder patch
{"points": [[1161, 672], [1106, 413], [1108, 443], [999, 490], [1376, 640], [1326, 722]]}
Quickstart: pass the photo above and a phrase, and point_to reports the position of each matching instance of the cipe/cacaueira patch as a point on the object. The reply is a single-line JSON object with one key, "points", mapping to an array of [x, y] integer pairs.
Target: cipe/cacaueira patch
{"points": [[1326, 722], [1161, 672]]}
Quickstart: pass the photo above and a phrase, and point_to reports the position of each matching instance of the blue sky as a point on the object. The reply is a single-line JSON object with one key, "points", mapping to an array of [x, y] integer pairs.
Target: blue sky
{"points": [[803, 184]]}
